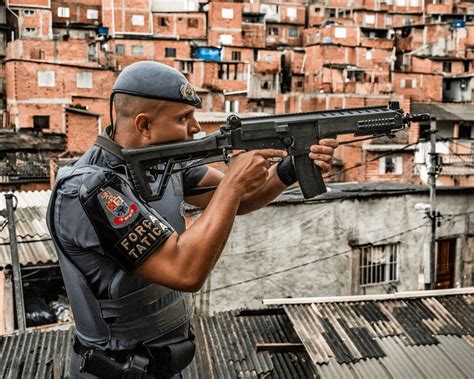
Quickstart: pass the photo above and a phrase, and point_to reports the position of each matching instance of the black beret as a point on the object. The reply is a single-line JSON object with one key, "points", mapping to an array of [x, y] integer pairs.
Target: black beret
{"points": [[155, 80]]}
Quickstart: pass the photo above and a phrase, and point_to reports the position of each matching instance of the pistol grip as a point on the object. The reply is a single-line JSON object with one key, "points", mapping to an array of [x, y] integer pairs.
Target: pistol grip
{"points": [[309, 176]]}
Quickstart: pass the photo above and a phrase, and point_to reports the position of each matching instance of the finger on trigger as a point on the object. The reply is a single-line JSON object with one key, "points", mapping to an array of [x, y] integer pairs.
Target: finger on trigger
{"points": [[272, 153]]}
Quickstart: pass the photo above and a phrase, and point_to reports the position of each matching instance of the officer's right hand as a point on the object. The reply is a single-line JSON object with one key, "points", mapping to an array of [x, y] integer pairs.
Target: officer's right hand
{"points": [[248, 171]]}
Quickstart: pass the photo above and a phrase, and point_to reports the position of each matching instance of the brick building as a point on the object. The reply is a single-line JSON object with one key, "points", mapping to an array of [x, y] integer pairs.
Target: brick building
{"points": [[245, 56]]}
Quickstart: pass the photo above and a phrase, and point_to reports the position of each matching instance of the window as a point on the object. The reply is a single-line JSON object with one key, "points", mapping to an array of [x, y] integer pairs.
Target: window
{"points": [[41, 122], [368, 54], [225, 39], [408, 83], [163, 21], [193, 22], [30, 30], [388, 20], [400, 3], [355, 76], [391, 165], [29, 12], [273, 31], [378, 264], [137, 50], [170, 52], [186, 67], [266, 85], [236, 55], [120, 49], [232, 106], [299, 84], [63, 12], [84, 79], [340, 32], [424, 131], [369, 19], [447, 66], [46, 79], [227, 71], [291, 12], [92, 14], [293, 32], [447, 85], [465, 131], [92, 52], [138, 20], [466, 66], [227, 13]]}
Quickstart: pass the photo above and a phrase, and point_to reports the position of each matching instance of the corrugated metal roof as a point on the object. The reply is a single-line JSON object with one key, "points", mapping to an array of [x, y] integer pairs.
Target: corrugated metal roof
{"points": [[36, 354], [28, 199], [411, 337], [353, 339], [32, 253], [445, 111], [34, 242]]}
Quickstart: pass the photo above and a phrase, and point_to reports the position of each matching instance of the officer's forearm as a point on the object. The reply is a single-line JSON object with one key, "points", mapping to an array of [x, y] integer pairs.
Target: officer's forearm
{"points": [[263, 195], [184, 262]]}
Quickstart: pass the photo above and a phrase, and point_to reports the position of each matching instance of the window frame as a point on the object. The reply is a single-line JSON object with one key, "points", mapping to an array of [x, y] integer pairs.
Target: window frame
{"points": [[42, 75], [63, 12], [170, 52], [373, 274]]}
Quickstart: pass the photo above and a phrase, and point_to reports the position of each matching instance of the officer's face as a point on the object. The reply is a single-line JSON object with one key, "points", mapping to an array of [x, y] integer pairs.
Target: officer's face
{"points": [[173, 122]]}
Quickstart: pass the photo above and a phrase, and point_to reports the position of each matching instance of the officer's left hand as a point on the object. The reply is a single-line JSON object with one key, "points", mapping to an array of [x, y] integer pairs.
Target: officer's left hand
{"points": [[323, 152]]}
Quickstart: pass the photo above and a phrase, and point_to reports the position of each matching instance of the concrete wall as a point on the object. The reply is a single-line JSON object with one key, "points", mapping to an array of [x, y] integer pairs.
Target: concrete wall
{"points": [[306, 249]]}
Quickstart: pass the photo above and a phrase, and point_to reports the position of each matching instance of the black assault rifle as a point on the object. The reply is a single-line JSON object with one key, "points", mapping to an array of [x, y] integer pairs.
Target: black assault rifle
{"points": [[294, 133]]}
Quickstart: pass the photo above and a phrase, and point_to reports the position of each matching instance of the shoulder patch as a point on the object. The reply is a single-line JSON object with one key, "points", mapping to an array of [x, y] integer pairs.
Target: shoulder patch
{"points": [[119, 209]]}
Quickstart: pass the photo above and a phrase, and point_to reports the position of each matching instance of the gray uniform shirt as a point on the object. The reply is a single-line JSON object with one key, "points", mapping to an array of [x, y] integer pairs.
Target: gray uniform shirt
{"points": [[79, 238]]}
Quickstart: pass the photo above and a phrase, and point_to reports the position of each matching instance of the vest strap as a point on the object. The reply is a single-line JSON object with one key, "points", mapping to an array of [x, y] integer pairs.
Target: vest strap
{"points": [[163, 321], [145, 296]]}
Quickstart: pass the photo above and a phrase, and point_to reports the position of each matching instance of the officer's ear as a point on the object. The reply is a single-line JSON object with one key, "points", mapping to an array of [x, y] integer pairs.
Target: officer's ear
{"points": [[142, 124]]}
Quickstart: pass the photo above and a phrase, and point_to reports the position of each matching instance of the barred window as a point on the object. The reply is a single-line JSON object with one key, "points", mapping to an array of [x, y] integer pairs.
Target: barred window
{"points": [[379, 264]]}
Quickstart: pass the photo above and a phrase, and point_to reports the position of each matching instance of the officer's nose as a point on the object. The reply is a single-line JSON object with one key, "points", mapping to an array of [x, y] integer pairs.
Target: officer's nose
{"points": [[194, 126]]}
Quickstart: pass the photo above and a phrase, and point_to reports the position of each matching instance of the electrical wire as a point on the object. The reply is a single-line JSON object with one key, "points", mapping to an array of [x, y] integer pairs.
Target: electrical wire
{"points": [[310, 262], [362, 164]]}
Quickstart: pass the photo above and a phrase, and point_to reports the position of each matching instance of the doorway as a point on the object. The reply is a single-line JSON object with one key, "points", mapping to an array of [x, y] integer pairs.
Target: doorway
{"points": [[445, 263]]}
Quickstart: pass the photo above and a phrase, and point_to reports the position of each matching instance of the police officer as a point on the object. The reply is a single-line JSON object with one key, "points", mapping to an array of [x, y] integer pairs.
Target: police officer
{"points": [[128, 265]]}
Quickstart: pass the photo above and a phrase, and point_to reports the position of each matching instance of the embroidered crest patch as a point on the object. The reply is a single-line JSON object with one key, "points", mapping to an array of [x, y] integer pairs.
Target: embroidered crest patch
{"points": [[120, 210], [188, 92]]}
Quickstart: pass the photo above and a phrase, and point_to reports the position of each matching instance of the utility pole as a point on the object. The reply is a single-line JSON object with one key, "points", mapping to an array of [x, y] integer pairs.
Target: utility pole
{"points": [[17, 282], [432, 182]]}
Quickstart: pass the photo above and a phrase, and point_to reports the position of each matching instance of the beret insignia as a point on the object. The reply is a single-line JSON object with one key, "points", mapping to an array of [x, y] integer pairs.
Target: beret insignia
{"points": [[187, 92]]}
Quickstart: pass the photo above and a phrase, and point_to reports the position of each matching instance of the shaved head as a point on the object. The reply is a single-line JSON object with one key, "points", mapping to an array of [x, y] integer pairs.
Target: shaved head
{"points": [[128, 106]]}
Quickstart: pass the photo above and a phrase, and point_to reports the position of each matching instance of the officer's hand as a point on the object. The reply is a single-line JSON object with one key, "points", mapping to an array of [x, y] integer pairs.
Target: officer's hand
{"points": [[323, 152], [248, 171]]}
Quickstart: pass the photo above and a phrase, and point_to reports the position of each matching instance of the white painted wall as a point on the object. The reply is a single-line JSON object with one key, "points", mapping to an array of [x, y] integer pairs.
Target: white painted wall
{"points": [[287, 238]]}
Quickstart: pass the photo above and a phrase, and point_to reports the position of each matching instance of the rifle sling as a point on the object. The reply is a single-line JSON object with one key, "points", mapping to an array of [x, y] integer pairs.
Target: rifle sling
{"points": [[116, 150], [110, 146]]}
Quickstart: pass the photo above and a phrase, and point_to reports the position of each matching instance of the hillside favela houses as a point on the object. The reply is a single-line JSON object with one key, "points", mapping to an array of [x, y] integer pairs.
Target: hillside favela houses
{"points": [[382, 229]]}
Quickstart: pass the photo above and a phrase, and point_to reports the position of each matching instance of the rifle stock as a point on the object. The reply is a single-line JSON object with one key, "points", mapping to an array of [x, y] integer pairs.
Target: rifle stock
{"points": [[295, 133]]}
